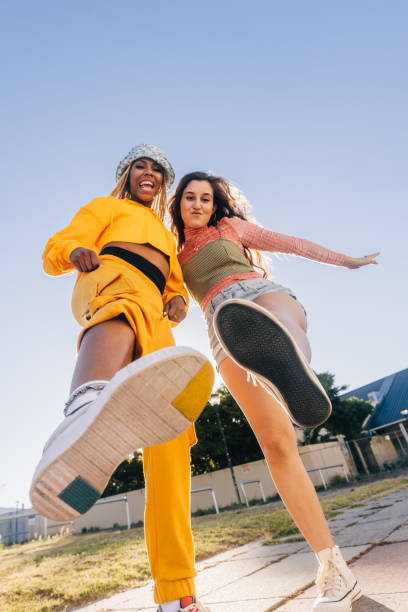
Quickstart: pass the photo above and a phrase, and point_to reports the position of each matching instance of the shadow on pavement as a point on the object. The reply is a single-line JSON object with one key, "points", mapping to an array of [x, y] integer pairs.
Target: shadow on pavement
{"points": [[366, 604]]}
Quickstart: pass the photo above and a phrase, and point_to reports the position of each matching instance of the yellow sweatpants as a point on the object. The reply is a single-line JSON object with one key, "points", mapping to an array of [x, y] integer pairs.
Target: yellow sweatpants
{"points": [[117, 288]]}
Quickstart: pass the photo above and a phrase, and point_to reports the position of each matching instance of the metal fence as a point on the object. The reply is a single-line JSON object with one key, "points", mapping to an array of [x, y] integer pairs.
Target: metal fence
{"points": [[22, 526], [19, 527], [373, 453]]}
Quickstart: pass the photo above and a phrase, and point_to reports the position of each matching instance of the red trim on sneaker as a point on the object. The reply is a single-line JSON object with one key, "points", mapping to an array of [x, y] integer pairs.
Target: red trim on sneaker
{"points": [[356, 596], [186, 601]]}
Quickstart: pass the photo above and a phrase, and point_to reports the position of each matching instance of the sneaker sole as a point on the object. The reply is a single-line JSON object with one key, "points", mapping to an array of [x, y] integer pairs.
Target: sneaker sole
{"points": [[258, 342], [151, 401]]}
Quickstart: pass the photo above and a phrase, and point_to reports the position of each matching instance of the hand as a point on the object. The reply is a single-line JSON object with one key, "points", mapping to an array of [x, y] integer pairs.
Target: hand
{"points": [[84, 260], [175, 309], [357, 262]]}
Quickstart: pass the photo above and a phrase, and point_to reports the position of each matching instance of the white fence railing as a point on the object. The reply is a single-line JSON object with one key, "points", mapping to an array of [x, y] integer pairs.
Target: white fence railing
{"points": [[247, 482], [328, 467], [217, 510]]}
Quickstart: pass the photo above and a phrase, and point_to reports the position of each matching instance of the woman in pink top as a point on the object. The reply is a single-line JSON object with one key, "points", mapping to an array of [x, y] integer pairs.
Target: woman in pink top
{"points": [[258, 326]]}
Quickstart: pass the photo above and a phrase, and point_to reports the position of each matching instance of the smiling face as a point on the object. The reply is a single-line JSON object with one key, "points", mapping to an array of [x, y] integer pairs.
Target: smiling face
{"points": [[145, 180], [197, 204]]}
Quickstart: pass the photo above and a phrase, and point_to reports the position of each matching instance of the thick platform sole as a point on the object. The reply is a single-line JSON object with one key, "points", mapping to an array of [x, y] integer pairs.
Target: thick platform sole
{"points": [[151, 401], [258, 342]]}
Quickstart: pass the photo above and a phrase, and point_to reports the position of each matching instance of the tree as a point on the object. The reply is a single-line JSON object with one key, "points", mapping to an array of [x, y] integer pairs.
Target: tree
{"points": [[347, 415], [127, 476], [209, 453]]}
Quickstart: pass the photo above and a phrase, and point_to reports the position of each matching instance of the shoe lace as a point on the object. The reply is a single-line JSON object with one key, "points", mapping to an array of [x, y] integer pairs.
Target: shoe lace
{"points": [[251, 377], [329, 579], [80, 391]]}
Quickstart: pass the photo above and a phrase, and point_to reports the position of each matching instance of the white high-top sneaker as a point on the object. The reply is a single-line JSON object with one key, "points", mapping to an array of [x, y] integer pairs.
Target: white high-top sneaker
{"points": [[185, 604], [337, 586]]}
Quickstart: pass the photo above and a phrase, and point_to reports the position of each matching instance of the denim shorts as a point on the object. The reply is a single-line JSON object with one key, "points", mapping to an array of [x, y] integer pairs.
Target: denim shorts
{"points": [[244, 290]]}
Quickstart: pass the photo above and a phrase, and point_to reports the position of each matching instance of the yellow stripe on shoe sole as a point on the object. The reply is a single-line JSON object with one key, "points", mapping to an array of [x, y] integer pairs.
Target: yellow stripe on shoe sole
{"points": [[192, 400]]}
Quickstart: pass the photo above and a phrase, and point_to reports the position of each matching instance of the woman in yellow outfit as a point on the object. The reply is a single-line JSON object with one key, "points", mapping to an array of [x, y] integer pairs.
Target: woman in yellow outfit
{"points": [[131, 386]]}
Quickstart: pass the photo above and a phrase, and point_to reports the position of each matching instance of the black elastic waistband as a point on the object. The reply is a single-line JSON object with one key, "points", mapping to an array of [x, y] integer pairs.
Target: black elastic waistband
{"points": [[139, 262]]}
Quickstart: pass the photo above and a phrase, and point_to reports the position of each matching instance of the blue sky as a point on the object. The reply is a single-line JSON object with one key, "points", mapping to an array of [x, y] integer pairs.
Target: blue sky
{"points": [[301, 104]]}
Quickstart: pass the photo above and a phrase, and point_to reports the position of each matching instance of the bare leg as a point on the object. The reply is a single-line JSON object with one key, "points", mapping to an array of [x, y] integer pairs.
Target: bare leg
{"points": [[291, 314], [106, 348], [277, 439]]}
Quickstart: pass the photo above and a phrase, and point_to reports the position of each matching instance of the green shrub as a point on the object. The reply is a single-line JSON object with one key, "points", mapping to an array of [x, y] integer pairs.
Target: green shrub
{"points": [[337, 481]]}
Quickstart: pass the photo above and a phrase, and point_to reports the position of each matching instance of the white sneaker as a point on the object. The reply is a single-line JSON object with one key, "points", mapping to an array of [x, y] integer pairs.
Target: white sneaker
{"points": [[337, 586], [185, 606], [152, 400]]}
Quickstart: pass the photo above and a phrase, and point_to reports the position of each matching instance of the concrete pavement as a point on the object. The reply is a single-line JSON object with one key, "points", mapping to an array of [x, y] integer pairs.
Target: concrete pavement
{"points": [[255, 578]]}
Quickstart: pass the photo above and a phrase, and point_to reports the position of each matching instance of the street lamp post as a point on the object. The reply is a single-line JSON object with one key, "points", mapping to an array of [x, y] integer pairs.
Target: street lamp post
{"points": [[404, 413], [215, 402]]}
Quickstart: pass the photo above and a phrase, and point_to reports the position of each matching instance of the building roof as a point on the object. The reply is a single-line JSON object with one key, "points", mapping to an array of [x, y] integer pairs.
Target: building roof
{"points": [[7, 510], [388, 395]]}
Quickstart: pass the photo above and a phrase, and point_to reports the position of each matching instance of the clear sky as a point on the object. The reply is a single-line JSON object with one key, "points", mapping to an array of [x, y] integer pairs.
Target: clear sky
{"points": [[301, 104]]}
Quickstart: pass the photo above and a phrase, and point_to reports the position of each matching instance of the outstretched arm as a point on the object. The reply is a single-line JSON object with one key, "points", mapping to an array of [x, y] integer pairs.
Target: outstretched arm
{"points": [[255, 237], [357, 262]]}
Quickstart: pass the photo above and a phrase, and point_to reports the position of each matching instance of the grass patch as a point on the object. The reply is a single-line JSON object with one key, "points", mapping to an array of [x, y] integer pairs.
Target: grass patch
{"points": [[337, 512], [61, 573]]}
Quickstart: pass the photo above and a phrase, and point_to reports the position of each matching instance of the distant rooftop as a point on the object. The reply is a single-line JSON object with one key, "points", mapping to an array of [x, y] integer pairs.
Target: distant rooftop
{"points": [[6, 510], [388, 395]]}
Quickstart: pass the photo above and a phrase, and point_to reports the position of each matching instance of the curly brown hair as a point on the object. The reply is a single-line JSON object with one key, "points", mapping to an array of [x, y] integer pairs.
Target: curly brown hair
{"points": [[225, 203]]}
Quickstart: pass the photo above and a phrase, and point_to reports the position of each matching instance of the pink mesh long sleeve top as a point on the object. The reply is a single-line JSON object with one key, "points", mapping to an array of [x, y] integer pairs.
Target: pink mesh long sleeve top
{"points": [[213, 258]]}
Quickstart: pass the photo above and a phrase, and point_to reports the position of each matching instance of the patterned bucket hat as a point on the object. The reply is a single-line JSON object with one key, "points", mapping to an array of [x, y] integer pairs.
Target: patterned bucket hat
{"points": [[152, 152]]}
